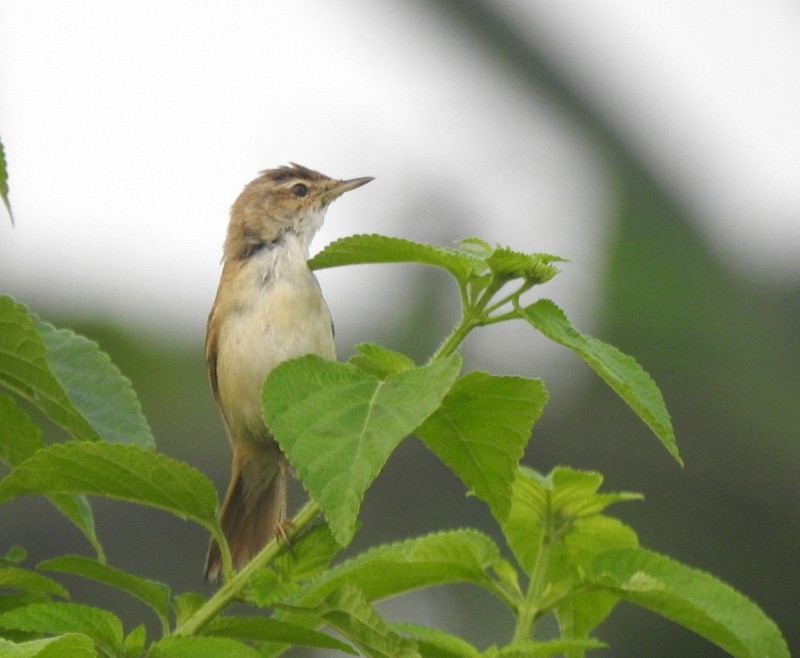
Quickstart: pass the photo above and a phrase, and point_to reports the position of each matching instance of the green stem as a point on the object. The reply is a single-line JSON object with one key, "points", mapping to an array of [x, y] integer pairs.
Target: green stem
{"points": [[531, 608], [527, 285], [225, 553], [232, 588], [495, 319], [473, 314], [510, 598], [467, 324], [463, 291]]}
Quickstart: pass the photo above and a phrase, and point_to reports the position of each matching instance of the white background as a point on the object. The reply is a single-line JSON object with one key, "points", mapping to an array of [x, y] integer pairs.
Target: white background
{"points": [[130, 128]]}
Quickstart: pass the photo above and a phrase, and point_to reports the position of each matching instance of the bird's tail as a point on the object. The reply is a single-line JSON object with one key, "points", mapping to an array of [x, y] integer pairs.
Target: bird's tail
{"points": [[253, 510]]}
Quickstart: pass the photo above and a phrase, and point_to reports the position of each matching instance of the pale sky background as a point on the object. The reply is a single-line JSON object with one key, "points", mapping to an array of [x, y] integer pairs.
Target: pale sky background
{"points": [[129, 129]]}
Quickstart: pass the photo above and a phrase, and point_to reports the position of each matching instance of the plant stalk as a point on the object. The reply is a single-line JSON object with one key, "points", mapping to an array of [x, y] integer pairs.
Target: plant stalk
{"points": [[530, 609], [232, 588]]}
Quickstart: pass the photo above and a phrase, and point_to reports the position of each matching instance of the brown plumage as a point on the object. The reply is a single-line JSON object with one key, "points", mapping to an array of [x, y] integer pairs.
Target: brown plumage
{"points": [[268, 308]]}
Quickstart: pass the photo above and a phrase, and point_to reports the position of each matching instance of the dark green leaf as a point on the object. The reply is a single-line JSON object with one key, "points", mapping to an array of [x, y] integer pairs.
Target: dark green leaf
{"points": [[119, 471], [12, 599], [14, 555], [338, 425], [620, 371], [360, 249], [154, 594], [77, 509], [435, 643], [267, 588], [70, 645], [347, 611], [481, 430], [263, 629], [692, 598], [189, 646], [25, 370], [310, 555], [21, 437], [59, 618], [95, 387], [29, 581], [392, 569]]}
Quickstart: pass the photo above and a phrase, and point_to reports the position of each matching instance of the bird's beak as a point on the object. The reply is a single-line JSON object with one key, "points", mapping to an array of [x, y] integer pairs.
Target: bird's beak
{"points": [[342, 186]]}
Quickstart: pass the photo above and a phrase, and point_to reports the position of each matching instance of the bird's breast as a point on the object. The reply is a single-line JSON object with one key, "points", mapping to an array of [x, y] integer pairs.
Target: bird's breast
{"points": [[281, 318]]}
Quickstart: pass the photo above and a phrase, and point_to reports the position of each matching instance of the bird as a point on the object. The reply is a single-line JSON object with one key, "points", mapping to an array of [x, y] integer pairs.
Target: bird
{"points": [[268, 309]]}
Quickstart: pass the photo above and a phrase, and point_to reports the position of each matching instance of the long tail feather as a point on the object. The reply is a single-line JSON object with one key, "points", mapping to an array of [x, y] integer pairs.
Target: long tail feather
{"points": [[253, 510]]}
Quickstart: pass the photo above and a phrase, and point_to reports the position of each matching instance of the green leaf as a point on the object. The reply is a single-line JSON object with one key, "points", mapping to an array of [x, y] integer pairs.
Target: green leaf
{"points": [[95, 386], [70, 645], [310, 555], [190, 646], [59, 618], [337, 425], [506, 263], [267, 588], [29, 581], [376, 360], [185, 605], [14, 555], [620, 371], [21, 440], [135, 641], [4, 183], [463, 556], [118, 471], [347, 611], [457, 556], [579, 614], [481, 430], [692, 598], [555, 510], [12, 600], [21, 437], [507, 578], [69, 379], [77, 509], [150, 592], [360, 249], [555, 524], [24, 369], [270, 630], [478, 249], [435, 643]]}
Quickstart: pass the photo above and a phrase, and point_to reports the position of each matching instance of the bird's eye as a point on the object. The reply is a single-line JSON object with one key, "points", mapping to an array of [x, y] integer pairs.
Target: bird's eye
{"points": [[299, 189]]}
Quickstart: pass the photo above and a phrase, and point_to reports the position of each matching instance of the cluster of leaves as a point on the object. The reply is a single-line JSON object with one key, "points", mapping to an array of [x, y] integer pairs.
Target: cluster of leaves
{"points": [[338, 423]]}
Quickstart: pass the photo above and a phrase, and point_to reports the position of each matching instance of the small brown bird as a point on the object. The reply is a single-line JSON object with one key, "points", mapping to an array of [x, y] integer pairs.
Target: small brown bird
{"points": [[268, 308]]}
